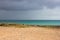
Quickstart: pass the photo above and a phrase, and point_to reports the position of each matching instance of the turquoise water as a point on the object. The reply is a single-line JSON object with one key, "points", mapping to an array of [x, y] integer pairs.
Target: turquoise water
{"points": [[33, 22]]}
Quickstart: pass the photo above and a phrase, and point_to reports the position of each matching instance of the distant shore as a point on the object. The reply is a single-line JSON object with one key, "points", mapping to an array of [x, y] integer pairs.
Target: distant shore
{"points": [[26, 25]]}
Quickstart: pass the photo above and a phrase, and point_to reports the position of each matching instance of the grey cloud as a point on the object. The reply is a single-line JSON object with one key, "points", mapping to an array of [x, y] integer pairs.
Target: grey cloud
{"points": [[45, 14], [27, 4]]}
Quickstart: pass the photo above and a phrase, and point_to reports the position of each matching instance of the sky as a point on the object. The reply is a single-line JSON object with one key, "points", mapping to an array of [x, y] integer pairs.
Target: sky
{"points": [[29, 9]]}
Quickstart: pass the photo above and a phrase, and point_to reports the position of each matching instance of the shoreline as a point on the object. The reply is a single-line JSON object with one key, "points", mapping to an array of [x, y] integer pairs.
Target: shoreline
{"points": [[26, 25]]}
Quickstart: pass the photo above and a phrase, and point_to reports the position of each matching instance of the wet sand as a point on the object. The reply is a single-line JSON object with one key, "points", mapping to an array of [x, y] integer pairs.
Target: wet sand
{"points": [[32, 33]]}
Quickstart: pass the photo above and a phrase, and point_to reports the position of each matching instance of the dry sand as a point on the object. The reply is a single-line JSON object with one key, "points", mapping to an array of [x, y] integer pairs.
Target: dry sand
{"points": [[11, 33]]}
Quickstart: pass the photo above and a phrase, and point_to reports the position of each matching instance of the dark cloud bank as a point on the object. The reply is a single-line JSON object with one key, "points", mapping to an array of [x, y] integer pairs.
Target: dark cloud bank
{"points": [[27, 4], [24, 9]]}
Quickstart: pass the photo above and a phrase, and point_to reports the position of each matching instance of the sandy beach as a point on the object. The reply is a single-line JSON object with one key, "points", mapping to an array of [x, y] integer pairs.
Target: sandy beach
{"points": [[32, 33]]}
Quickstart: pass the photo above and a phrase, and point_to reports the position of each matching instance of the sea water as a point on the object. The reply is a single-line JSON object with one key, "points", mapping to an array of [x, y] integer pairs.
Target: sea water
{"points": [[33, 22]]}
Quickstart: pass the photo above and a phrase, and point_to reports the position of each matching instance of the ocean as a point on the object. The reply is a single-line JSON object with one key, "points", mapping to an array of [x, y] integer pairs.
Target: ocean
{"points": [[33, 22]]}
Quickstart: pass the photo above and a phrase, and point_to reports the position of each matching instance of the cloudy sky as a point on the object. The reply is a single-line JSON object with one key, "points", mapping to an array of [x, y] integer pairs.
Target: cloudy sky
{"points": [[29, 9]]}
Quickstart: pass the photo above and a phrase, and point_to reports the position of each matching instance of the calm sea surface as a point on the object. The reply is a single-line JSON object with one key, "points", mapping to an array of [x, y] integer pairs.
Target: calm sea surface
{"points": [[33, 22]]}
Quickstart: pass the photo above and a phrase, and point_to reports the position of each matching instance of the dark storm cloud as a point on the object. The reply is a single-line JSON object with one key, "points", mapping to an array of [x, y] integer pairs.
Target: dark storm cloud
{"points": [[29, 9], [27, 4]]}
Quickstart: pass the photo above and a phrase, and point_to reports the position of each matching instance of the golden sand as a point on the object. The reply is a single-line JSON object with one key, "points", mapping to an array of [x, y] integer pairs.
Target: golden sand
{"points": [[32, 33]]}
